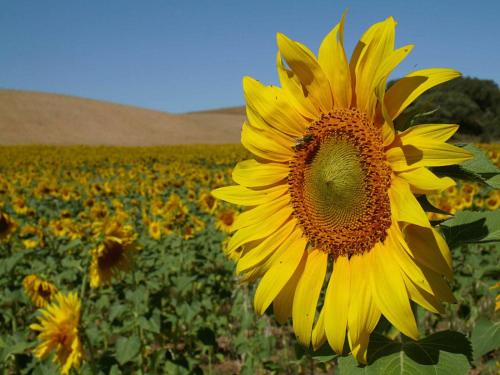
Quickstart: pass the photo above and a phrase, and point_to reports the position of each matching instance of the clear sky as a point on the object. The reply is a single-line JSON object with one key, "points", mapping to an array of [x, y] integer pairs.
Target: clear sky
{"points": [[189, 55]]}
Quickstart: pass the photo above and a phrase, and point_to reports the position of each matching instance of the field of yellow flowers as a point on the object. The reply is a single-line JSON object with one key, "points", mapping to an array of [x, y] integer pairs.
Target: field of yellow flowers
{"points": [[172, 304]]}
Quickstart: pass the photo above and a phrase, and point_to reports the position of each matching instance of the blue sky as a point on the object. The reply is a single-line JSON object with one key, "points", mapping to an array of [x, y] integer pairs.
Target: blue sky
{"points": [[189, 55]]}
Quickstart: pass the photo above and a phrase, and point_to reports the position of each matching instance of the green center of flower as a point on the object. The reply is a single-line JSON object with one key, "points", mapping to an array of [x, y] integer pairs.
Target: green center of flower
{"points": [[334, 183], [338, 182]]}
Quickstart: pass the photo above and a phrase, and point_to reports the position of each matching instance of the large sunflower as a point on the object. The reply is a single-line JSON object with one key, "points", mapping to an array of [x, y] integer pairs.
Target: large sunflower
{"points": [[331, 192], [58, 331]]}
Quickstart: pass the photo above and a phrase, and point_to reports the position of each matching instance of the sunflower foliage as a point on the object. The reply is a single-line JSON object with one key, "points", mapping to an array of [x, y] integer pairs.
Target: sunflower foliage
{"points": [[177, 306]]}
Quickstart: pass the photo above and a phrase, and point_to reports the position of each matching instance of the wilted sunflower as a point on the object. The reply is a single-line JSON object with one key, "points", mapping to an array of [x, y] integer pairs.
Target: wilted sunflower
{"points": [[58, 329], [113, 254], [40, 291], [331, 191]]}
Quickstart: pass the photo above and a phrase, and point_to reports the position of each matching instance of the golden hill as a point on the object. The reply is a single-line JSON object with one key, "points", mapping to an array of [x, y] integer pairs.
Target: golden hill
{"points": [[41, 118]]}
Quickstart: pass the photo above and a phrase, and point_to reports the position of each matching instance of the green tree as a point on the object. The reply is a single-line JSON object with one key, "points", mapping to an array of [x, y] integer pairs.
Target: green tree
{"points": [[472, 103]]}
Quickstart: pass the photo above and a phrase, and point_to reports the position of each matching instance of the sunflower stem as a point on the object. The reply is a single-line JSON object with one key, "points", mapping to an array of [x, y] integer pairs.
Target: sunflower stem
{"points": [[91, 352], [138, 327], [83, 298], [83, 287]]}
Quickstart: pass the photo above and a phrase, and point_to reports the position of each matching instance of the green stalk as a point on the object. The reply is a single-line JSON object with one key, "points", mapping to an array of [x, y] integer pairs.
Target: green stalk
{"points": [[83, 298], [91, 352], [138, 327]]}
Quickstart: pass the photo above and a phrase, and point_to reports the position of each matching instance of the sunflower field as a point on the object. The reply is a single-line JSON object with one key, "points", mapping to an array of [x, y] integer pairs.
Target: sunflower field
{"points": [[130, 241]]}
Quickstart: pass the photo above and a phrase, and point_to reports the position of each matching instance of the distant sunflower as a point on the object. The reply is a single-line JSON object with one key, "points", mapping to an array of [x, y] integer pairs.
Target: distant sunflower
{"points": [[207, 202], [58, 329], [7, 226], [154, 229], [225, 219], [40, 291], [114, 254], [19, 205], [492, 201], [60, 228], [332, 188]]}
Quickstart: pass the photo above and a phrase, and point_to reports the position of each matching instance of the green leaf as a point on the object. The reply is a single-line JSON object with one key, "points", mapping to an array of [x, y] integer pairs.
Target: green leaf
{"points": [[115, 370], [17, 348], [151, 325], [71, 245], [206, 336], [442, 353], [324, 354], [485, 337], [7, 265], [117, 311], [480, 168], [472, 227], [127, 349]]}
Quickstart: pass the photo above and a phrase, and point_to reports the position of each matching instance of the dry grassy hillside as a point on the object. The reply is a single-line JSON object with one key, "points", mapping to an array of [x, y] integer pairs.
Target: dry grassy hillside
{"points": [[41, 118]]}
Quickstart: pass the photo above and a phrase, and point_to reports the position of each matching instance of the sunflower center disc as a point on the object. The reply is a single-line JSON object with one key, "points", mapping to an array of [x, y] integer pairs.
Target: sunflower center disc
{"points": [[338, 181]]}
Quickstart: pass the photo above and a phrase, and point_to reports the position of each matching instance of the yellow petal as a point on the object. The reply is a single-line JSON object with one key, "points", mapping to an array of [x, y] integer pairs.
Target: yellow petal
{"points": [[425, 153], [333, 60], [426, 280], [265, 145], [404, 205], [272, 260], [427, 247], [282, 304], [434, 132], [304, 64], [291, 84], [422, 180], [318, 337], [244, 196], [383, 72], [391, 61], [251, 173], [407, 89], [423, 298], [379, 46], [360, 49], [337, 304], [273, 106], [260, 126], [363, 313], [261, 230], [263, 250], [400, 253], [440, 287], [276, 278], [307, 294], [389, 290], [253, 216]]}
